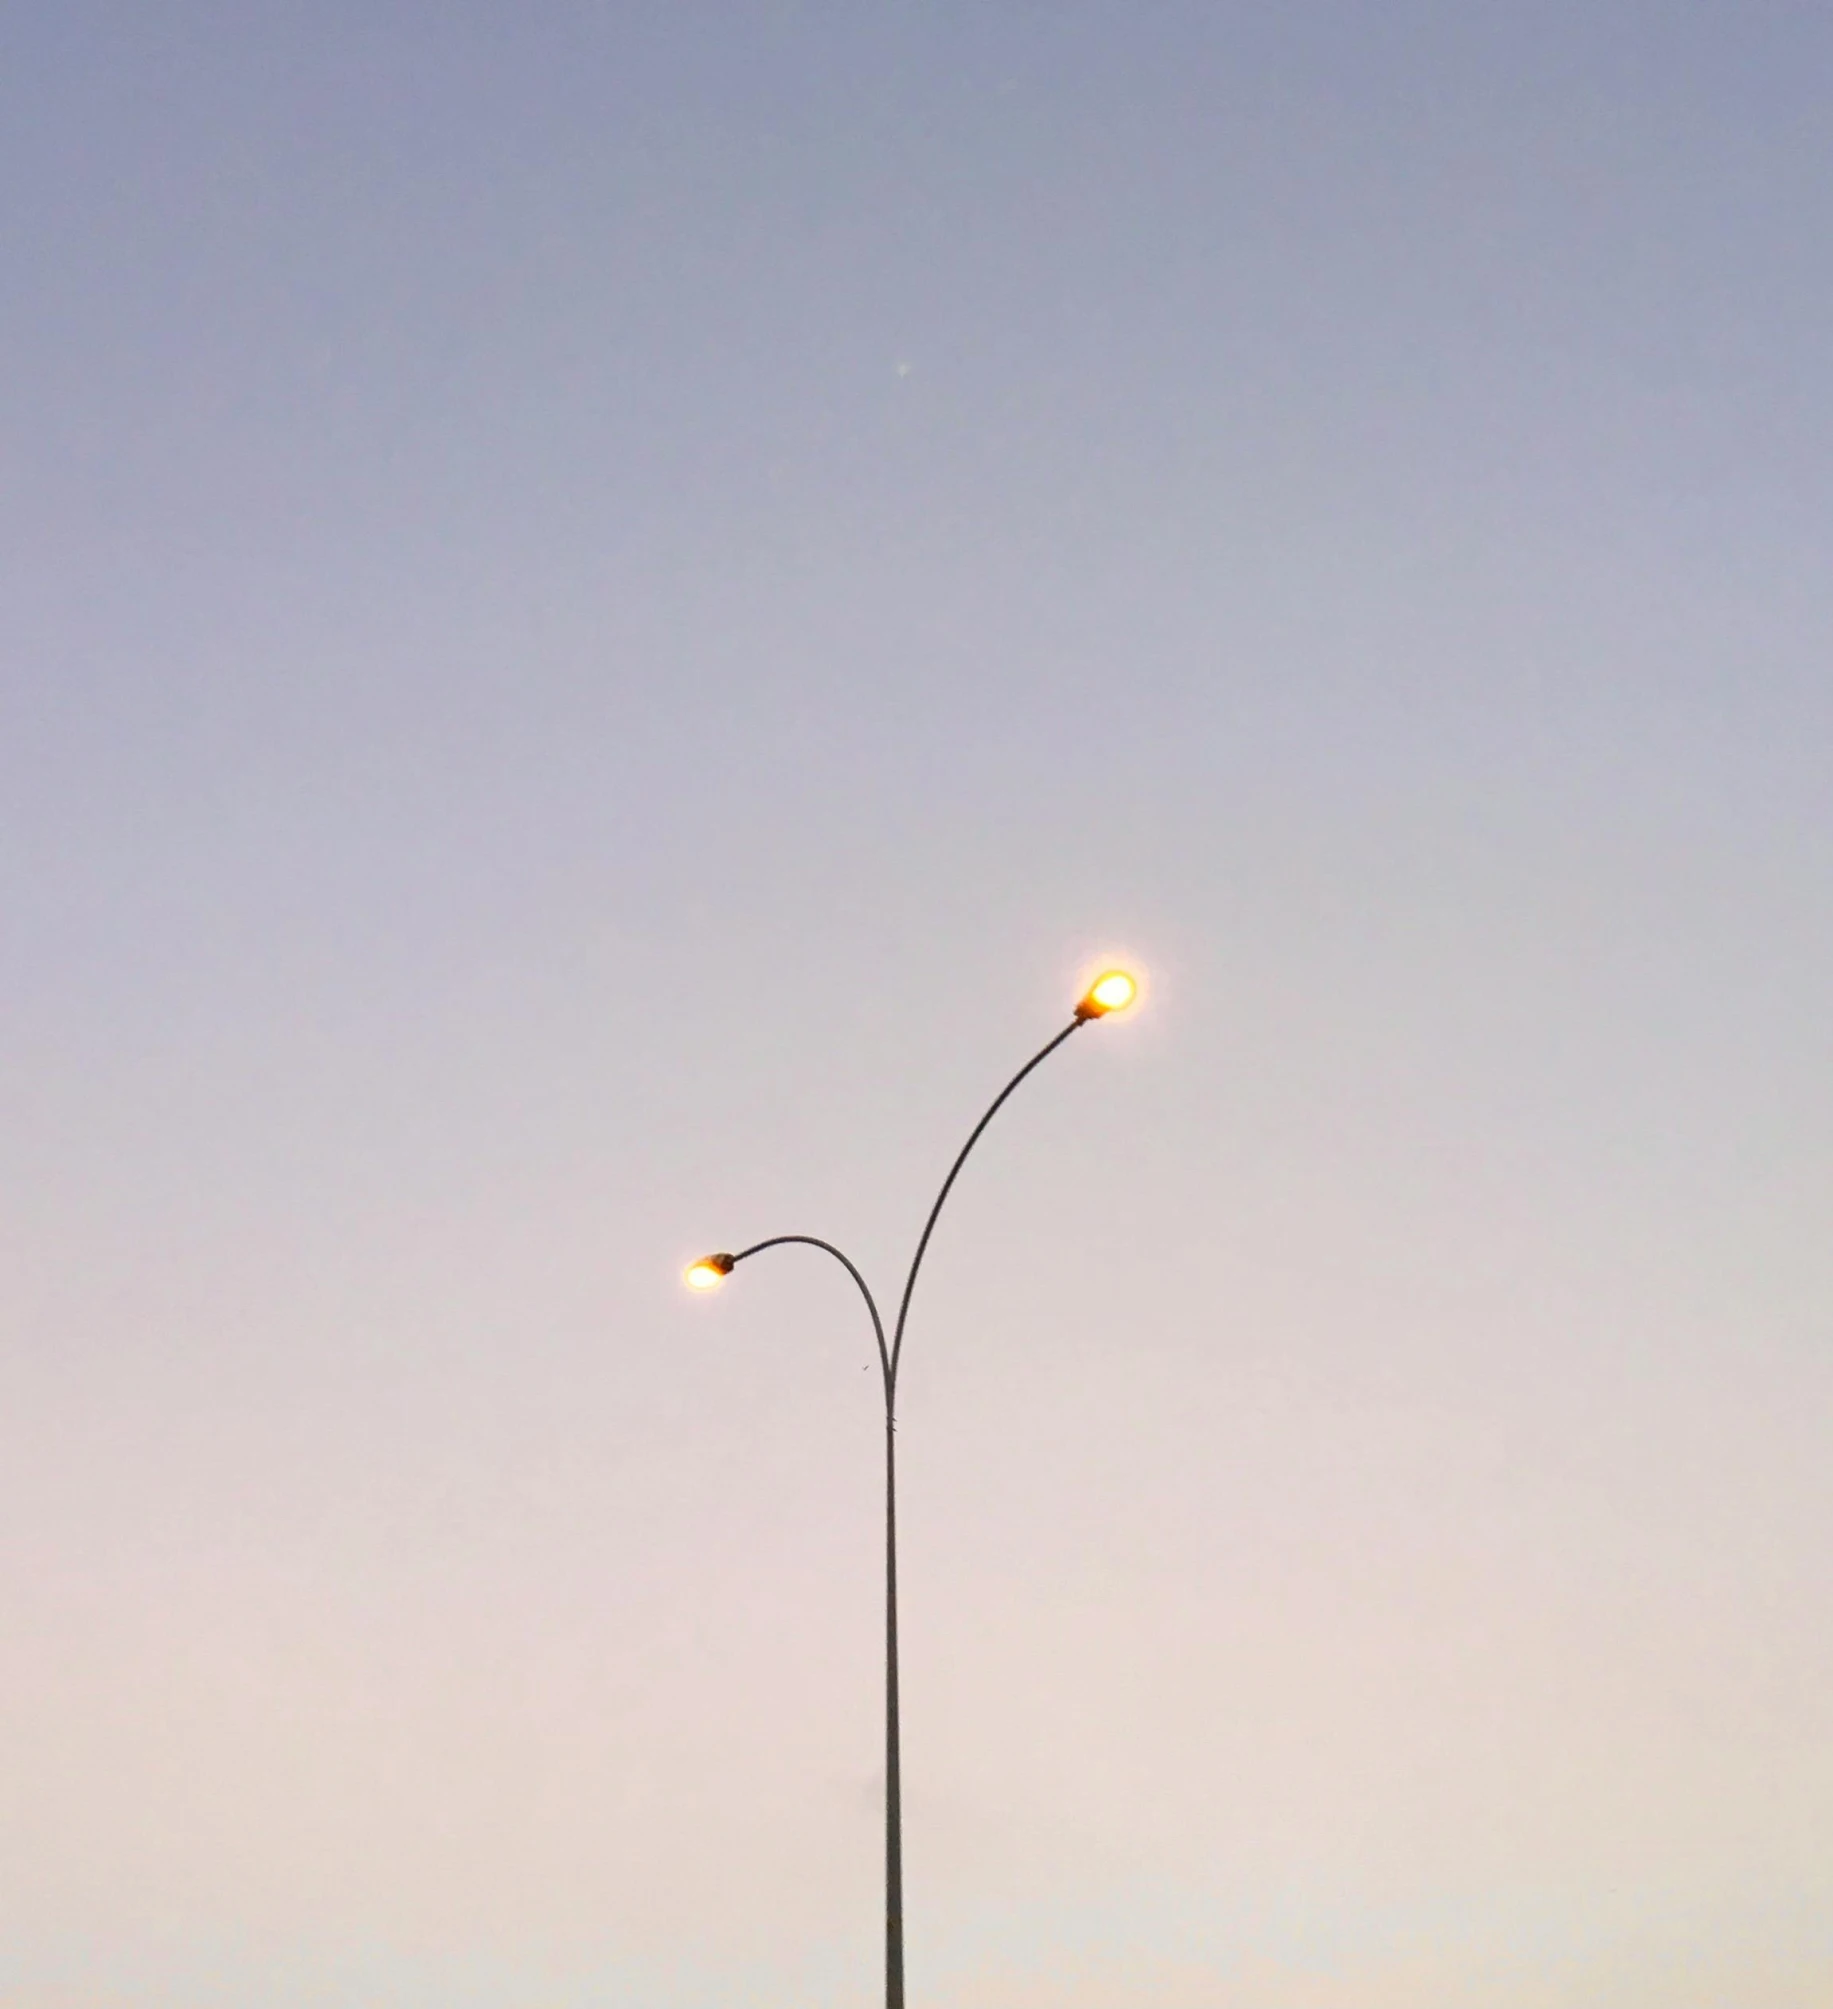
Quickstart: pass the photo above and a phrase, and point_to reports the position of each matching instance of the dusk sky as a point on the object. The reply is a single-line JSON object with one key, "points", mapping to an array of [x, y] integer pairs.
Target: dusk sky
{"points": [[603, 608]]}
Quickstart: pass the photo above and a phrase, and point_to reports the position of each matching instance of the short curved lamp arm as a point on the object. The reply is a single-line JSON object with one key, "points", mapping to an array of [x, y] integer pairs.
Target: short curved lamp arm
{"points": [[846, 1262], [929, 1226]]}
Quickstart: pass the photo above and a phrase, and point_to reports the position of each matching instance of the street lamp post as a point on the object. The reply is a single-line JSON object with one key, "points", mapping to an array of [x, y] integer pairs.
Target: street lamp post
{"points": [[1111, 992]]}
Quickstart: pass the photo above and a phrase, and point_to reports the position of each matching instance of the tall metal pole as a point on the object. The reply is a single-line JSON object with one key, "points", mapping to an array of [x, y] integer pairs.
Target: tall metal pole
{"points": [[894, 1800], [888, 1356]]}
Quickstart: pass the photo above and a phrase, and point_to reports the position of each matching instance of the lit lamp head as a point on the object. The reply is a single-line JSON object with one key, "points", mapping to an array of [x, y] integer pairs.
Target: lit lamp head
{"points": [[1112, 991], [708, 1273]]}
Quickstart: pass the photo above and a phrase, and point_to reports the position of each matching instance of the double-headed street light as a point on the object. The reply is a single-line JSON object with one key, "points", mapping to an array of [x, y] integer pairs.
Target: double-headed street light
{"points": [[1112, 991]]}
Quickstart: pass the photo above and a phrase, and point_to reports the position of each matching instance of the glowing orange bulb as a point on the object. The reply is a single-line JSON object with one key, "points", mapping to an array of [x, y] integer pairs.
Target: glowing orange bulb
{"points": [[708, 1273], [1112, 991]]}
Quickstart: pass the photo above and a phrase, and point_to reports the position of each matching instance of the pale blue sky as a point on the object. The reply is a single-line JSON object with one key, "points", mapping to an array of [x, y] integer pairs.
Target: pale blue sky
{"points": [[601, 609]]}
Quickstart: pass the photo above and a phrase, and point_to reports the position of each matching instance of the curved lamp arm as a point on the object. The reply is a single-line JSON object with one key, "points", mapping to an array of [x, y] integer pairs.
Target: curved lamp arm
{"points": [[846, 1262], [929, 1226], [1114, 991]]}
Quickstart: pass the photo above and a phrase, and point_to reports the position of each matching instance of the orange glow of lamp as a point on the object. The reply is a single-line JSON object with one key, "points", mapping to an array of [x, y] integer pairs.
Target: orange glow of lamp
{"points": [[1112, 991], [708, 1273]]}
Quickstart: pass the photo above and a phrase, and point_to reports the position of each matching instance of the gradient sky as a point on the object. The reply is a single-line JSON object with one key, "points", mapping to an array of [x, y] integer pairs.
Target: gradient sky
{"points": [[601, 608]]}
